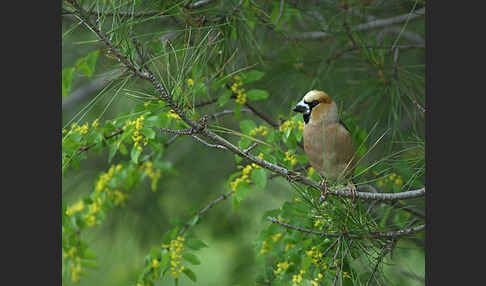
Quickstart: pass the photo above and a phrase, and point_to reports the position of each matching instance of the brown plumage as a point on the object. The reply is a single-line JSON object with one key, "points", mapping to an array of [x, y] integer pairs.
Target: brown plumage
{"points": [[327, 142]]}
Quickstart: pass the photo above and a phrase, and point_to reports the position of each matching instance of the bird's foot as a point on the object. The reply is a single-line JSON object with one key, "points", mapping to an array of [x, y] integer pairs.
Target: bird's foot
{"points": [[323, 185]]}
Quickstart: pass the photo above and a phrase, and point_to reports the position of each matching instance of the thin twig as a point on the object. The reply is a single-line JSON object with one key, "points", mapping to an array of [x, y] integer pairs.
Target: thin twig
{"points": [[282, 4], [86, 148], [338, 269], [206, 208], [390, 234], [209, 144]]}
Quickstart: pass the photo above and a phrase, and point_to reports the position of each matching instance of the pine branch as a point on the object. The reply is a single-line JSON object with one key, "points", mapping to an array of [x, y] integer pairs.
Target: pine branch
{"points": [[390, 234]]}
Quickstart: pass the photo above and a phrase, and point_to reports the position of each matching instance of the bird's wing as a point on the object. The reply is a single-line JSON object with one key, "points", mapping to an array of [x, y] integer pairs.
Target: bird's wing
{"points": [[343, 147]]}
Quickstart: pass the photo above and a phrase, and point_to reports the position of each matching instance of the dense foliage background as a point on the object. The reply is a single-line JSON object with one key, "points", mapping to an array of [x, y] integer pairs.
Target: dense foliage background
{"points": [[131, 185]]}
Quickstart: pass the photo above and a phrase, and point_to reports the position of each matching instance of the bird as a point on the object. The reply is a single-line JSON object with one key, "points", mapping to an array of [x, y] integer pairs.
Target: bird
{"points": [[327, 141]]}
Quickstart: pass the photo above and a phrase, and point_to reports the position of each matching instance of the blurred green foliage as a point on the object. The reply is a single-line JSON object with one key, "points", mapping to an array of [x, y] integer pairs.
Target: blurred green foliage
{"points": [[129, 194]]}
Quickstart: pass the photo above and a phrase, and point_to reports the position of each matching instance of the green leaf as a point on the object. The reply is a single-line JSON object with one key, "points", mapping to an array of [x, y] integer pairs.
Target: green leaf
{"points": [[257, 94], [191, 258], [247, 125], [67, 79], [112, 152], [165, 259], [251, 76], [135, 154], [195, 244], [190, 274], [259, 177], [236, 203], [86, 65], [89, 264], [169, 235], [224, 98], [238, 111], [306, 262], [242, 190], [123, 149], [148, 132]]}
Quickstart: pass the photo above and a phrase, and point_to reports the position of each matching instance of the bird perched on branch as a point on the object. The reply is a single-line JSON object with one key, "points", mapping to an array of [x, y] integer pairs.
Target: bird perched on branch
{"points": [[327, 141]]}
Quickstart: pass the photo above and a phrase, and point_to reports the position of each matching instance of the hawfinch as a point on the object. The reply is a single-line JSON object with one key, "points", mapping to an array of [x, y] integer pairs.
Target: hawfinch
{"points": [[327, 142]]}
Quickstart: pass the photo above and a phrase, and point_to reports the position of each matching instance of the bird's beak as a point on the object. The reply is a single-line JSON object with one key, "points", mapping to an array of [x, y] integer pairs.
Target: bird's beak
{"points": [[301, 107]]}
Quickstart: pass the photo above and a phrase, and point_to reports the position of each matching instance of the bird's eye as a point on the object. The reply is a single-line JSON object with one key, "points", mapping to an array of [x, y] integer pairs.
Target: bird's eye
{"points": [[313, 103]]}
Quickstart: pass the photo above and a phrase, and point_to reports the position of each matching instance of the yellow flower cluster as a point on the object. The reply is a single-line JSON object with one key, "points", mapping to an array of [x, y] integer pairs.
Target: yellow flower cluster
{"points": [[241, 98], [106, 177], [310, 172], [288, 246], [276, 237], [315, 254], [77, 207], [281, 266], [83, 129], [301, 125], [150, 171], [291, 158], [319, 221], [246, 172], [172, 114], [176, 246], [314, 282], [297, 279], [190, 82], [95, 123], [118, 197], [93, 209], [137, 137], [75, 269], [155, 265], [265, 247], [260, 130], [393, 179], [289, 124]]}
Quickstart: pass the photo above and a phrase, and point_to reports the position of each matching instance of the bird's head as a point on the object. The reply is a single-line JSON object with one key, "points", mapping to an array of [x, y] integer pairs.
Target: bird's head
{"points": [[316, 106]]}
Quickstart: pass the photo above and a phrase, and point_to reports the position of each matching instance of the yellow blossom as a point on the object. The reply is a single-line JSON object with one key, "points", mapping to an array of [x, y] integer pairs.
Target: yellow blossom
{"points": [[172, 114], [310, 172], [95, 123], [301, 125], [265, 247], [277, 237], [291, 158], [289, 124], [263, 130], [155, 263], [281, 266], [399, 182], [176, 247], [79, 206], [190, 82], [289, 245]]}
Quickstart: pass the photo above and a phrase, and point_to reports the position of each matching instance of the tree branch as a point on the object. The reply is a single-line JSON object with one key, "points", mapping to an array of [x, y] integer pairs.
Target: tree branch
{"points": [[206, 208], [372, 24], [389, 234]]}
